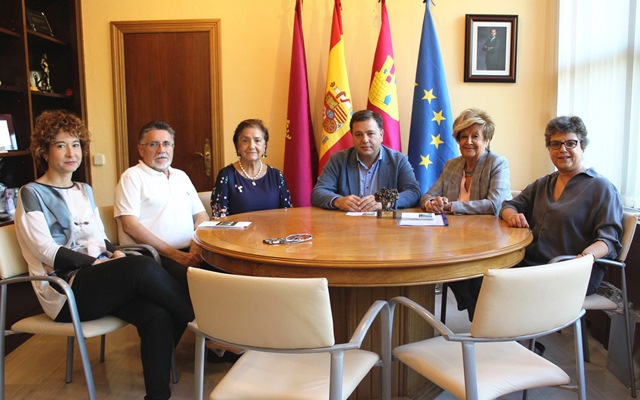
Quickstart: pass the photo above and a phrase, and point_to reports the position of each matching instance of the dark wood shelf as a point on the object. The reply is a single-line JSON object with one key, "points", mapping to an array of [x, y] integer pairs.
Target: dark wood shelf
{"points": [[4, 221], [15, 153], [9, 88], [46, 38], [9, 32], [53, 95]]}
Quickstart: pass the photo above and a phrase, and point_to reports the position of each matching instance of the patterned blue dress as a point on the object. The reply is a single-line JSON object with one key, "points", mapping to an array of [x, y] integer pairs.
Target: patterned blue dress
{"points": [[235, 194]]}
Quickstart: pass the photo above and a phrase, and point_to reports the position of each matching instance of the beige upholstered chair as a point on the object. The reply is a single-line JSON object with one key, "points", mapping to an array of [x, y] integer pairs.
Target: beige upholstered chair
{"points": [[14, 269], [286, 327], [598, 302], [514, 304], [111, 230], [205, 198]]}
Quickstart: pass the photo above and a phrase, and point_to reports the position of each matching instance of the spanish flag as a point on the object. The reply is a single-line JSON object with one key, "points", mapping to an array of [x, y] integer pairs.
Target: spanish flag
{"points": [[337, 97], [383, 93], [300, 154]]}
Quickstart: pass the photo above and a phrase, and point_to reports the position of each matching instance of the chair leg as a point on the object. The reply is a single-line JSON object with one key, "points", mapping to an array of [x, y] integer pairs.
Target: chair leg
{"points": [[103, 340], [68, 374], [175, 377], [198, 373], [578, 346], [470, 373], [531, 347], [3, 317], [585, 340], [82, 345], [443, 303], [627, 322]]}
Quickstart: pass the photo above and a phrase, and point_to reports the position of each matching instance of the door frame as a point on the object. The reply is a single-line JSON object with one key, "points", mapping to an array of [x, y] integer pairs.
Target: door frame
{"points": [[118, 31]]}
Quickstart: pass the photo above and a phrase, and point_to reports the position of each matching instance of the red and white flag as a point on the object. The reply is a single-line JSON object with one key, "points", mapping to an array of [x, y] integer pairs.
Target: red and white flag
{"points": [[300, 154]]}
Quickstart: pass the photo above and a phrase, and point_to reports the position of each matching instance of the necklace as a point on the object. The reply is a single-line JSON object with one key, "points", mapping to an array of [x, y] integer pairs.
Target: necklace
{"points": [[253, 178], [468, 172]]}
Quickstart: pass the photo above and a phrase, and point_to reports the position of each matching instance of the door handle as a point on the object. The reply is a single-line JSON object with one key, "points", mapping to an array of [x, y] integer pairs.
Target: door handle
{"points": [[206, 154]]}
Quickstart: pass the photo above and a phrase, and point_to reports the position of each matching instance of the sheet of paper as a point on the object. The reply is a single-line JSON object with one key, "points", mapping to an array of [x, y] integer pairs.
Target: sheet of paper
{"points": [[421, 215], [437, 220], [362, 214], [224, 224]]}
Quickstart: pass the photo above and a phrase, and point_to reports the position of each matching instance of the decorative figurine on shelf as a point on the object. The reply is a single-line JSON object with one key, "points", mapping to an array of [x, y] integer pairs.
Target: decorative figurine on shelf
{"points": [[45, 83], [387, 197], [35, 80], [3, 203], [10, 204]]}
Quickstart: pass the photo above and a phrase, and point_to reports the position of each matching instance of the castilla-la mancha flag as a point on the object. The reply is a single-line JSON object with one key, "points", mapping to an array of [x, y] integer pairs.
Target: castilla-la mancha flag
{"points": [[300, 154], [337, 97], [383, 93]]}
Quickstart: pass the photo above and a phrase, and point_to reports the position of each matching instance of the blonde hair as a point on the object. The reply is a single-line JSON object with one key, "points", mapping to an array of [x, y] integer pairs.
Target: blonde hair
{"points": [[474, 116]]}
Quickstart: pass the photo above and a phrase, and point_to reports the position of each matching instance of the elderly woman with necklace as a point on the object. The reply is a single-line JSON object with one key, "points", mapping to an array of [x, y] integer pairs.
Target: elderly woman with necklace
{"points": [[249, 184], [478, 181]]}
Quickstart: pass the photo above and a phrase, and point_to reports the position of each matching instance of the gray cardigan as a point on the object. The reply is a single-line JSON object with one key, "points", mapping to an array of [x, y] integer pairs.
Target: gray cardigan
{"points": [[490, 185]]}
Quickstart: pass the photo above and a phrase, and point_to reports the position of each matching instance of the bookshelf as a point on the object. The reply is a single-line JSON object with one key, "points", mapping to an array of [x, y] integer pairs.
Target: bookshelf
{"points": [[29, 30]]}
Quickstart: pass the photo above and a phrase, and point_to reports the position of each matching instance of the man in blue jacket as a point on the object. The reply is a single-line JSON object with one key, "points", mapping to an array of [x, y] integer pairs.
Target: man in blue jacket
{"points": [[351, 177]]}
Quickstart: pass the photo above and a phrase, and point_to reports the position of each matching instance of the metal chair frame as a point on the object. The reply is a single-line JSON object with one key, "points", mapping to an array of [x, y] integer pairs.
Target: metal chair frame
{"points": [[77, 326], [468, 342]]}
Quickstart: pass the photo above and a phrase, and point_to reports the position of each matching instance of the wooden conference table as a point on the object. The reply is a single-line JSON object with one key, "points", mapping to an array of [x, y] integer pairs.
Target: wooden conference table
{"points": [[365, 259]]}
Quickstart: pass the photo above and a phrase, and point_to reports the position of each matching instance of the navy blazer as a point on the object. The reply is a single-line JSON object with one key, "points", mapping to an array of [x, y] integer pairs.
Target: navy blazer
{"points": [[340, 178]]}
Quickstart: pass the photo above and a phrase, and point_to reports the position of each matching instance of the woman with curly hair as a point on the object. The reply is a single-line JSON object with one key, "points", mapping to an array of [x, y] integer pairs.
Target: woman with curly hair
{"points": [[60, 233]]}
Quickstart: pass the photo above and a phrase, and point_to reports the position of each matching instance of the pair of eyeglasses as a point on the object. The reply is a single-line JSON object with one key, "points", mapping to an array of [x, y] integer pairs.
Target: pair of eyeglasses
{"points": [[154, 145], [569, 144], [291, 239]]}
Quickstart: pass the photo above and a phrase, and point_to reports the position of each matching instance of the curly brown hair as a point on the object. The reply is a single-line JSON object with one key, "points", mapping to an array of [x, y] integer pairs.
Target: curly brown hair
{"points": [[48, 125]]}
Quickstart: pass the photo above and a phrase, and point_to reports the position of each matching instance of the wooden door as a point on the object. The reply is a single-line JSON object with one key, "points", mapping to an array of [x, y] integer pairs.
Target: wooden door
{"points": [[169, 70]]}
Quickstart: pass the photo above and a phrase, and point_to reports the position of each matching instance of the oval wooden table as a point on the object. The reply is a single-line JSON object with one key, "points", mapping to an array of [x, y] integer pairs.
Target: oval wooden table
{"points": [[364, 259]]}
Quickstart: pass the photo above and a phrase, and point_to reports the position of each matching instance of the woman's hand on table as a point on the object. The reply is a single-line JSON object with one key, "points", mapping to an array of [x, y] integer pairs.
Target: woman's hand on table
{"points": [[436, 205]]}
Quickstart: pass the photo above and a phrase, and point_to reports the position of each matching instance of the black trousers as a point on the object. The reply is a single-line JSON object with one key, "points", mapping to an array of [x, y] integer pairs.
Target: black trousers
{"points": [[139, 291]]}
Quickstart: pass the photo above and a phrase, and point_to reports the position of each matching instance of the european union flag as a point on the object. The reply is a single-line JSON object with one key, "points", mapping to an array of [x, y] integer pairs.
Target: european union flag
{"points": [[431, 142]]}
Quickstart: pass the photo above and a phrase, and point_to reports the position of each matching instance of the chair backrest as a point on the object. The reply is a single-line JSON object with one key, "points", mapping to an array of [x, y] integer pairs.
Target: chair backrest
{"points": [[11, 261], [109, 222], [629, 223], [205, 198], [277, 313], [529, 300]]}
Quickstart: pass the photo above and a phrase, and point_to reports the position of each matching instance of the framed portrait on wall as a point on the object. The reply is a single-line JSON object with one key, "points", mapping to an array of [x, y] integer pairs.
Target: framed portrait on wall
{"points": [[490, 48]]}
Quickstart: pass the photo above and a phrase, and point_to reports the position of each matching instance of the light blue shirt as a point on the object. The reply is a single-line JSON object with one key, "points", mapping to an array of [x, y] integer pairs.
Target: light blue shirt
{"points": [[368, 177]]}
